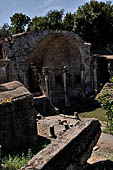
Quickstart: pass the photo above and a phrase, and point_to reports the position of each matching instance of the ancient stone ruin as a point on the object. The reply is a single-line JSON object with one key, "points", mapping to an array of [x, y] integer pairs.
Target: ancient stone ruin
{"points": [[17, 117], [69, 151], [34, 57], [57, 59], [59, 66]]}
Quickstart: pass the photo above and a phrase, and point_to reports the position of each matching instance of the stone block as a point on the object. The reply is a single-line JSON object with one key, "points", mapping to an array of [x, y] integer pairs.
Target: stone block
{"points": [[18, 127]]}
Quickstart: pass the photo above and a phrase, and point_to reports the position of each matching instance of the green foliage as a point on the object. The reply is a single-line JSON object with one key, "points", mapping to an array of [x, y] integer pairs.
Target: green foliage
{"points": [[94, 22], [4, 31], [111, 80], [55, 19], [105, 99], [38, 23], [18, 161], [18, 23], [68, 22]]}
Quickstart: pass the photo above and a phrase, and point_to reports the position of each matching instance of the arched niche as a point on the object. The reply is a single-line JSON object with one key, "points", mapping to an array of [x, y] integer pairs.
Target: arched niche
{"points": [[54, 51]]}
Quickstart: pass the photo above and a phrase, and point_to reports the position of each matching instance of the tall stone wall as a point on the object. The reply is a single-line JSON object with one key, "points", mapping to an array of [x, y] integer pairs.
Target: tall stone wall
{"points": [[17, 117], [69, 151]]}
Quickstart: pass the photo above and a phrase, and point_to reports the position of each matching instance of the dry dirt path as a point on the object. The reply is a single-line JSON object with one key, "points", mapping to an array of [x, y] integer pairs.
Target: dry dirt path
{"points": [[106, 142], [105, 151]]}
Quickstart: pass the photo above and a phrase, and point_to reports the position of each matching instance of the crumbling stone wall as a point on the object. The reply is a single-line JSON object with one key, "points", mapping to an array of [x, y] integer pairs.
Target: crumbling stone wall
{"points": [[69, 151], [17, 117]]}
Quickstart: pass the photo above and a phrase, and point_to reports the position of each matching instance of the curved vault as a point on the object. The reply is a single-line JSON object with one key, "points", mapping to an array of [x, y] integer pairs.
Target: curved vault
{"points": [[54, 51]]}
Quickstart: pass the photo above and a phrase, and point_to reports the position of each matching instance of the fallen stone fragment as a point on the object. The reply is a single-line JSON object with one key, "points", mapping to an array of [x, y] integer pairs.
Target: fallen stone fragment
{"points": [[69, 151]]}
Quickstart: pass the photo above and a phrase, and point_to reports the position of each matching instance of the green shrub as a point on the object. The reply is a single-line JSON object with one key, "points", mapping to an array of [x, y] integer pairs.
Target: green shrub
{"points": [[15, 161], [18, 161]]}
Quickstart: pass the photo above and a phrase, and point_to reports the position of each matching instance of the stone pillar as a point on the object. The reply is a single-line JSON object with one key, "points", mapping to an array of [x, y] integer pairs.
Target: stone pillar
{"points": [[52, 132], [95, 75], [45, 71], [82, 80], [76, 116], [110, 68], [64, 71], [25, 80]]}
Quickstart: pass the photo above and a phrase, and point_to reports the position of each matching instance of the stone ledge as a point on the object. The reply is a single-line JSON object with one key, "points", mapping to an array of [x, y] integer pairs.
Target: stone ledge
{"points": [[12, 90], [70, 151]]}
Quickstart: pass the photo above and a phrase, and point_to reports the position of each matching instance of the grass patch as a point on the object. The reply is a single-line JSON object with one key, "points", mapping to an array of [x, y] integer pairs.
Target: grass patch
{"points": [[107, 130], [18, 161], [98, 113]]}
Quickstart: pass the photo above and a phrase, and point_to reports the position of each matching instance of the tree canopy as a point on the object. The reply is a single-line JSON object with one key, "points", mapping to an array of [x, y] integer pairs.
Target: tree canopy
{"points": [[52, 20], [68, 21], [18, 22], [38, 23], [4, 31], [55, 19], [94, 22]]}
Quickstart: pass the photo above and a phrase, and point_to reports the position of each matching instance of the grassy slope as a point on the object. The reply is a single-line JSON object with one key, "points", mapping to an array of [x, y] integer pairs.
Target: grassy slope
{"points": [[98, 113]]}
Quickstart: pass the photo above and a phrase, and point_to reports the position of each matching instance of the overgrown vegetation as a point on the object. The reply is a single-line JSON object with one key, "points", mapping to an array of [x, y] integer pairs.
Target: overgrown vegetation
{"points": [[105, 98], [18, 159]]}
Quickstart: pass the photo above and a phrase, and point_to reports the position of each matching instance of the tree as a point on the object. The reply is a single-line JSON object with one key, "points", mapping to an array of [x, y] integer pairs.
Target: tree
{"points": [[38, 23], [68, 22], [54, 19], [94, 22], [18, 23], [4, 31]]}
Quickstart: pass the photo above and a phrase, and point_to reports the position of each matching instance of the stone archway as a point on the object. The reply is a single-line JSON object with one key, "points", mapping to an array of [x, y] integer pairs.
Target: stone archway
{"points": [[53, 49]]}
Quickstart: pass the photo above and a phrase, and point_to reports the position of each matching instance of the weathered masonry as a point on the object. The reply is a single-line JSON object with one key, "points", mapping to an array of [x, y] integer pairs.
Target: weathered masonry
{"points": [[24, 55], [69, 151], [59, 59], [18, 128]]}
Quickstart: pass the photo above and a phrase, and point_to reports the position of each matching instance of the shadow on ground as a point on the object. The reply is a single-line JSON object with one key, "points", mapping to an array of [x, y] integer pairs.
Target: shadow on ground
{"points": [[77, 105], [101, 165]]}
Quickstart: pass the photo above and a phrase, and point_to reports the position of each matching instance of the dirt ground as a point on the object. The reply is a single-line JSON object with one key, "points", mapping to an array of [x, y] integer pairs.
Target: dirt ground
{"points": [[105, 151]]}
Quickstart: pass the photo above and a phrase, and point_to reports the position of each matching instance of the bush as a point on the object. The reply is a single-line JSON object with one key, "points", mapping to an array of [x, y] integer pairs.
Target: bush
{"points": [[18, 161]]}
